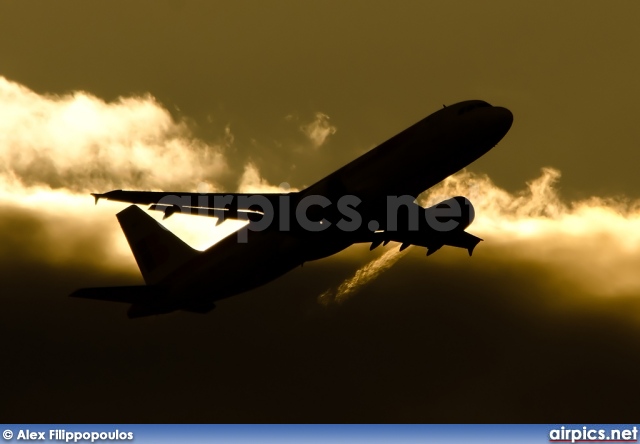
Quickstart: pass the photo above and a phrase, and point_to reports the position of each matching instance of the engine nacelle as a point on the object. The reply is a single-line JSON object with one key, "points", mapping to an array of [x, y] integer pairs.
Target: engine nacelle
{"points": [[452, 214]]}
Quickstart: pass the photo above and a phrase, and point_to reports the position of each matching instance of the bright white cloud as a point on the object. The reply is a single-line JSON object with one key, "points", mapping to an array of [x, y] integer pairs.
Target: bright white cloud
{"points": [[80, 142]]}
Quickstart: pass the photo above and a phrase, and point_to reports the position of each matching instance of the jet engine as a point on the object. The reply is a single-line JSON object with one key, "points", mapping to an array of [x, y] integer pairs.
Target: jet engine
{"points": [[452, 214]]}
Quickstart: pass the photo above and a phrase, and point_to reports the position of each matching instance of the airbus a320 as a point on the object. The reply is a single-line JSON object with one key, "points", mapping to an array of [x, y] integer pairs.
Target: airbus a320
{"points": [[369, 200]]}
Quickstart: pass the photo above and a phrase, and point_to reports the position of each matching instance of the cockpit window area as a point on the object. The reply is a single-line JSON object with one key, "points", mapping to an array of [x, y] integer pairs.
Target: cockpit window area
{"points": [[467, 108]]}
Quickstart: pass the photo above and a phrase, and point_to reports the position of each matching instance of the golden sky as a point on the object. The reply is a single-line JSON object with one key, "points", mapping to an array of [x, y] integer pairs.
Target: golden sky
{"points": [[246, 95]]}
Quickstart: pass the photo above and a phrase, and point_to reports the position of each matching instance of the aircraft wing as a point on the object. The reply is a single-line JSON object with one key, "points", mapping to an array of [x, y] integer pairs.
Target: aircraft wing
{"points": [[204, 200], [220, 205]]}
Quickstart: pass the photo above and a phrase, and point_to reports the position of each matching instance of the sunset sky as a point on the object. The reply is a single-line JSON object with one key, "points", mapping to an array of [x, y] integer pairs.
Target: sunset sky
{"points": [[541, 325]]}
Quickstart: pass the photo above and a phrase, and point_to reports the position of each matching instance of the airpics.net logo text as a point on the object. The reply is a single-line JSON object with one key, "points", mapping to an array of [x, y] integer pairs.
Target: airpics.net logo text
{"points": [[590, 434], [312, 213]]}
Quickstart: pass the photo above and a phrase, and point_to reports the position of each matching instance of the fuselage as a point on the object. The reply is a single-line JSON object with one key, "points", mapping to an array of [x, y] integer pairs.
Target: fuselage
{"points": [[407, 164]]}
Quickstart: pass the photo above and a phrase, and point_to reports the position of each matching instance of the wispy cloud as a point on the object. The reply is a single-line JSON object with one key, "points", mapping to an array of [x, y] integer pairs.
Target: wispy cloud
{"points": [[319, 129], [364, 275], [252, 182]]}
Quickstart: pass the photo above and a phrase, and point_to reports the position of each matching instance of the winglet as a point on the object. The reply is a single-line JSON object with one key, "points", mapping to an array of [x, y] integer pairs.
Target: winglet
{"points": [[97, 197], [171, 210], [110, 195]]}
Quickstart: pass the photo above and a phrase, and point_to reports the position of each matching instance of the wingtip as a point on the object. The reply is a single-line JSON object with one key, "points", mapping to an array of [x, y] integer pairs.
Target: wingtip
{"points": [[472, 247], [109, 195]]}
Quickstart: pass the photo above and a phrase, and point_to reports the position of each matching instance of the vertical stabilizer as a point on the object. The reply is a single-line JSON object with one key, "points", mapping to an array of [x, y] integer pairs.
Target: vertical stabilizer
{"points": [[158, 251]]}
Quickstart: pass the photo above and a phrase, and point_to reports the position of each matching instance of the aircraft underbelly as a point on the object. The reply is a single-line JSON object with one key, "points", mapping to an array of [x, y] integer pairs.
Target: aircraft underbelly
{"points": [[233, 267]]}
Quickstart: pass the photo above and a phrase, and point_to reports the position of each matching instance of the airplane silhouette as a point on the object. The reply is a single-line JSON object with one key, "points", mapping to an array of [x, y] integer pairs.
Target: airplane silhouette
{"points": [[371, 199]]}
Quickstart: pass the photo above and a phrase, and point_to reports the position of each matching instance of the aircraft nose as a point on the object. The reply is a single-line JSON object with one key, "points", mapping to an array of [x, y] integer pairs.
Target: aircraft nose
{"points": [[501, 120]]}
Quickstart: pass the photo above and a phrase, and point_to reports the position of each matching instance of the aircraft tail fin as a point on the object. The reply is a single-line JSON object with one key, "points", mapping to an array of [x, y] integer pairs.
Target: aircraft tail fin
{"points": [[157, 251]]}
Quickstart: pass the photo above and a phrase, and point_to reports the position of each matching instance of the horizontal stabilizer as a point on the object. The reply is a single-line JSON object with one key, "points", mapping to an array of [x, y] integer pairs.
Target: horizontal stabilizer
{"points": [[145, 300], [134, 294]]}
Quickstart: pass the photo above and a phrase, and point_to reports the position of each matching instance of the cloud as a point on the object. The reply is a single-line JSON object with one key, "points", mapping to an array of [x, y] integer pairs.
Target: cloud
{"points": [[373, 357], [55, 149], [592, 245], [81, 143], [319, 130], [58, 148], [252, 182]]}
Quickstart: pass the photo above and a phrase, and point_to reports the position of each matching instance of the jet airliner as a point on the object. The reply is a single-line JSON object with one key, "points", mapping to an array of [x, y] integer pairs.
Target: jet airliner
{"points": [[369, 200]]}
